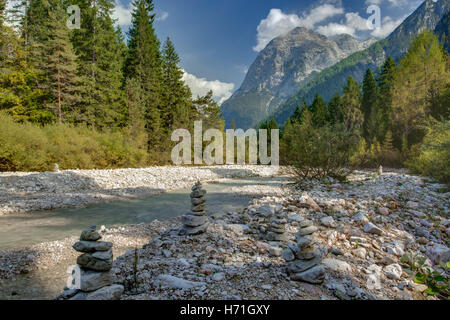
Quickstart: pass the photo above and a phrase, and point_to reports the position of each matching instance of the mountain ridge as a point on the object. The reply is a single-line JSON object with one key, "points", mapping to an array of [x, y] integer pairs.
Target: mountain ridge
{"points": [[280, 68], [331, 80]]}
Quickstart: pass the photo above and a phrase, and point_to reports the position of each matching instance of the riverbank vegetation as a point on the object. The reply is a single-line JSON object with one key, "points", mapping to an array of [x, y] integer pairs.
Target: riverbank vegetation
{"points": [[83, 96], [398, 118]]}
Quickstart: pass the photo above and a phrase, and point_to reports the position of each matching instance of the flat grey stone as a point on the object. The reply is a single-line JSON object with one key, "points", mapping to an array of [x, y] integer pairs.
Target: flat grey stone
{"points": [[302, 265], [307, 231], [188, 231], [193, 221], [315, 275], [89, 262], [113, 292], [90, 235], [92, 280], [91, 246]]}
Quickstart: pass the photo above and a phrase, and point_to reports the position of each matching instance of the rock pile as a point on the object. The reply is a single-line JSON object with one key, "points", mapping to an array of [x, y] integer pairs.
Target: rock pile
{"points": [[277, 230], [194, 221], [305, 258], [92, 278]]}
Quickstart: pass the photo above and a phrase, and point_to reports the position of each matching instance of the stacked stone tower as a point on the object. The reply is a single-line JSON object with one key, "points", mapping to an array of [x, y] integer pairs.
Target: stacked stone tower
{"points": [[92, 278], [194, 221], [307, 256], [277, 230]]}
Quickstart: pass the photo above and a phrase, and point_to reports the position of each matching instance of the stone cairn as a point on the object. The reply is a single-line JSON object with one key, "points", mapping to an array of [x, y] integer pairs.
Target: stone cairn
{"points": [[92, 278], [277, 230], [305, 258], [194, 221]]}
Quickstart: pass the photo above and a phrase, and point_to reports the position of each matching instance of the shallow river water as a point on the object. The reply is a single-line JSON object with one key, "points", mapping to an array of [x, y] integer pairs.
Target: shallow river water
{"points": [[19, 230]]}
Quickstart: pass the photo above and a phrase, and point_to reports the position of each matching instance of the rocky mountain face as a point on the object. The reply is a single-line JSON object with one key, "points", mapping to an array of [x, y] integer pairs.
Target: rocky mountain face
{"points": [[285, 64], [332, 79]]}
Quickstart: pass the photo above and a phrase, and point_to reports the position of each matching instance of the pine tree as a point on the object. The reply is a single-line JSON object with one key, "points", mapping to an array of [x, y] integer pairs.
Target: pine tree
{"points": [[176, 95], [56, 59], [144, 64], [100, 61], [334, 109], [369, 106], [297, 116], [351, 106], [319, 111], [385, 83]]}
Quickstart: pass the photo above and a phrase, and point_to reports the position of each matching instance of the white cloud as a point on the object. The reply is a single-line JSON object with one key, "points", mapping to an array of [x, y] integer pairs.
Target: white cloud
{"points": [[162, 16], [353, 22], [387, 26], [333, 29], [122, 14], [200, 87], [278, 23]]}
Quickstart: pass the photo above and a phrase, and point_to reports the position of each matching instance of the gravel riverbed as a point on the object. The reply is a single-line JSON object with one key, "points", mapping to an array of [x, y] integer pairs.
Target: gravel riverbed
{"points": [[365, 227], [35, 191]]}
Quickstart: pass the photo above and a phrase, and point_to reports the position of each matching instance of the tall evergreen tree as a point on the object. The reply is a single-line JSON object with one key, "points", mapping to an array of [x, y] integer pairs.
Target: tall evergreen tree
{"points": [[385, 83], [319, 111], [144, 63], [351, 106], [297, 116], [176, 95], [50, 49], [369, 106], [97, 45], [334, 107]]}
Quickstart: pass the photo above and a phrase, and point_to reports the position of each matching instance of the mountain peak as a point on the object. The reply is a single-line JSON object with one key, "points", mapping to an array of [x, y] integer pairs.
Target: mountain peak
{"points": [[280, 68]]}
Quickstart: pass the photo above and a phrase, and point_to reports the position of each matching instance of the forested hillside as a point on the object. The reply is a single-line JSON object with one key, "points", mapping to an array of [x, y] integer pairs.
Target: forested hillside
{"points": [[331, 80], [93, 82]]}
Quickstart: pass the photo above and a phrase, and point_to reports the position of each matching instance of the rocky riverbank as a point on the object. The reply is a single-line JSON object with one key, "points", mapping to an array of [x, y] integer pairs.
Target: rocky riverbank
{"points": [[35, 191], [365, 231]]}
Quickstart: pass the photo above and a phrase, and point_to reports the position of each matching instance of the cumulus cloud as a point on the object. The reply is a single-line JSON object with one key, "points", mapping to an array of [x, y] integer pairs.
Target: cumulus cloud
{"points": [[333, 29], [387, 26], [200, 87], [278, 23], [353, 22], [122, 14]]}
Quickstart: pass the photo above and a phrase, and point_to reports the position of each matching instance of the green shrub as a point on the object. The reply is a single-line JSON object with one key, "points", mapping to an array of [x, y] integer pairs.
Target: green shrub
{"points": [[312, 152], [28, 147], [434, 153]]}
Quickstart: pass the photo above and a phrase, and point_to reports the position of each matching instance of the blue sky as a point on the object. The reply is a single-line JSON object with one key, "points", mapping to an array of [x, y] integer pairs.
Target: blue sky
{"points": [[218, 40]]}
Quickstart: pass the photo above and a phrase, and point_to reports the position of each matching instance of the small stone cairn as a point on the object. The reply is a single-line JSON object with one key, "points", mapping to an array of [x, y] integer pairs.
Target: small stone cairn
{"points": [[305, 258], [277, 229], [194, 221], [92, 278]]}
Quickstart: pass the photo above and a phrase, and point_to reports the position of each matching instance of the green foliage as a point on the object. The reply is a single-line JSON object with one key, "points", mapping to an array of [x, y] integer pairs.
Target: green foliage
{"points": [[437, 282], [432, 159], [319, 111], [317, 152], [28, 147]]}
